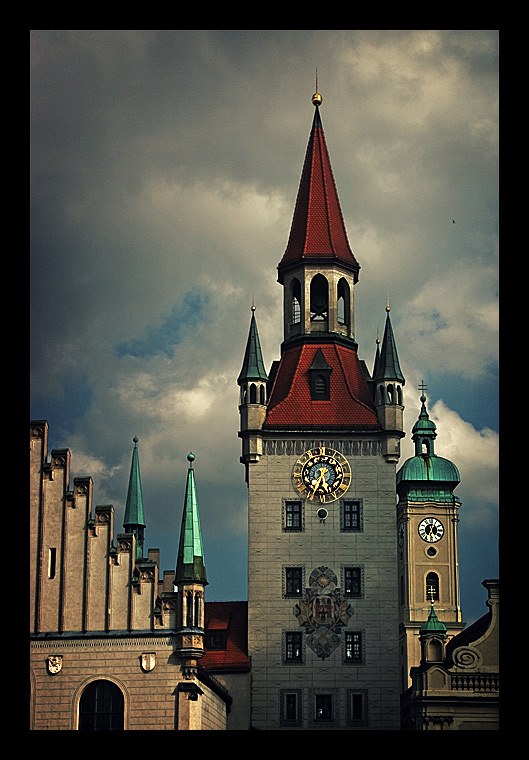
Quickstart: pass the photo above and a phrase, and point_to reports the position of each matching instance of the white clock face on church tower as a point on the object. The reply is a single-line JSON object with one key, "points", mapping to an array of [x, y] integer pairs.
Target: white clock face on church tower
{"points": [[431, 530]]}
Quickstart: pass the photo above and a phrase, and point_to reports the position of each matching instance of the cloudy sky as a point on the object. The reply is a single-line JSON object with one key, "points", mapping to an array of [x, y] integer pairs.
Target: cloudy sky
{"points": [[165, 167]]}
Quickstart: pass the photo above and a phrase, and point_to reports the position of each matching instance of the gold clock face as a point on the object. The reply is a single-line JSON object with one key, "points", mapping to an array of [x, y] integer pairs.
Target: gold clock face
{"points": [[322, 475], [431, 530]]}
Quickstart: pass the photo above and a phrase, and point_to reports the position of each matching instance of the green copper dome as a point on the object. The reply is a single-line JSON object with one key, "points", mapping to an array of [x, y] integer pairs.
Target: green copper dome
{"points": [[433, 626], [426, 476], [430, 468]]}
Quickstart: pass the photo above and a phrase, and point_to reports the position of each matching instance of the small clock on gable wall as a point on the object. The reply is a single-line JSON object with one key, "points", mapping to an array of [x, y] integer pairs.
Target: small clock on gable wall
{"points": [[322, 475]]}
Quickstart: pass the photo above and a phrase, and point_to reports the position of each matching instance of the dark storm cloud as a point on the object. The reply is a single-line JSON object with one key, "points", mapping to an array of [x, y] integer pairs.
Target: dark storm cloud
{"points": [[166, 163]]}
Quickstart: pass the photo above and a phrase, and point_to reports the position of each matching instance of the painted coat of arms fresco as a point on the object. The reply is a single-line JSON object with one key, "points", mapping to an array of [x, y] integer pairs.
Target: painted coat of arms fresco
{"points": [[323, 612]]}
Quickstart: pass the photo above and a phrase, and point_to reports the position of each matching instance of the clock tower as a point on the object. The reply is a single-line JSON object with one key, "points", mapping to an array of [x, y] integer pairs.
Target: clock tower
{"points": [[320, 443], [427, 519]]}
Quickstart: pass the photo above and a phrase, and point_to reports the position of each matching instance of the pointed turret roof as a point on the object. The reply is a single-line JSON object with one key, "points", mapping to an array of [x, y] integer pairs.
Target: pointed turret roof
{"points": [[190, 565], [253, 366], [318, 230], [134, 504], [387, 365]]}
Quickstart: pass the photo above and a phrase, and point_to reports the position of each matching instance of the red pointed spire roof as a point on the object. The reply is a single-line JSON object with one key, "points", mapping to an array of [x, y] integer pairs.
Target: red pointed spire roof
{"points": [[318, 230]]}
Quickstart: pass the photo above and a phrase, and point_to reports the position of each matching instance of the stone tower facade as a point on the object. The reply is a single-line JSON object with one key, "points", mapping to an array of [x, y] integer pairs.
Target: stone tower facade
{"points": [[320, 443]]}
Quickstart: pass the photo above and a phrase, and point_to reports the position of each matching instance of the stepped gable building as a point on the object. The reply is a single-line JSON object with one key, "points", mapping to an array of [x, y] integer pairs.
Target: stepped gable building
{"points": [[353, 618], [114, 644]]}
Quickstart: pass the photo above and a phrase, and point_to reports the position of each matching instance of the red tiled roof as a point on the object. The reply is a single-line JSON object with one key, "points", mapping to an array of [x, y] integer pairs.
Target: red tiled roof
{"points": [[318, 230], [290, 401], [230, 618]]}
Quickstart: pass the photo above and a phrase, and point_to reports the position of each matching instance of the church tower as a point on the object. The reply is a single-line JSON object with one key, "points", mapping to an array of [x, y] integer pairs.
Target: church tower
{"points": [[320, 451], [427, 519]]}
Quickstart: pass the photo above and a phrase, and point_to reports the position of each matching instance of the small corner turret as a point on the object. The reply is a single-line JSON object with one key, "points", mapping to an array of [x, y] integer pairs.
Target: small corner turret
{"points": [[252, 381], [388, 384], [190, 580], [133, 521]]}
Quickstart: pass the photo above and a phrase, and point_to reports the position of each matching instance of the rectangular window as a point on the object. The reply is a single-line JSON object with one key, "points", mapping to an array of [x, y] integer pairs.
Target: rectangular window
{"points": [[357, 707], [293, 651], [323, 707], [216, 640], [293, 515], [352, 581], [353, 646], [52, 563], [351, 514], [293, 581], [290, 710]]}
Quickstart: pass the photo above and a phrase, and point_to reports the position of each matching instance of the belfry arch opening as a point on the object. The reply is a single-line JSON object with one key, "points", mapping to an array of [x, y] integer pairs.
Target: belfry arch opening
{"points": [[343, 302], [295, 301], [319, 302]]}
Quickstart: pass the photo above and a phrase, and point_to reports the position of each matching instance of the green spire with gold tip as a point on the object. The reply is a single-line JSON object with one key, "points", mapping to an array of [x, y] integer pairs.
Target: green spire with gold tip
{"points": [[133, 521], [190, 565], [387, 362], [253, 366]]}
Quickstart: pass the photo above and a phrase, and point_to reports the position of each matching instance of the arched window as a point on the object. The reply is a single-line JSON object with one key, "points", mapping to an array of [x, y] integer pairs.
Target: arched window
{"points": [[296, 301], [189, 609], [319, 298], [432, 587], [101, 707], [253, 394], [197, 610], [262, 395], [343, 302], [435, 650]]}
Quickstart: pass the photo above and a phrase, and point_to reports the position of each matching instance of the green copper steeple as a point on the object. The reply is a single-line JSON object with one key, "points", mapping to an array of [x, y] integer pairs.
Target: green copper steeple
{"points": [[133, 522], [427, 476], [253, 365], [387, 365], [190, 566]]}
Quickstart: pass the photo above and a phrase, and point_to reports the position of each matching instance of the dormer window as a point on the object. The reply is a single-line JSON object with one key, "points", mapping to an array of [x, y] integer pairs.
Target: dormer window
{"points": [[320, 378]]}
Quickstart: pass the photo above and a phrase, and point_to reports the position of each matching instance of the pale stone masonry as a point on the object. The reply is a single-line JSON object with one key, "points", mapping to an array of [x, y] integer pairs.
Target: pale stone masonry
{"points": [[98, 614], [322, 543]]}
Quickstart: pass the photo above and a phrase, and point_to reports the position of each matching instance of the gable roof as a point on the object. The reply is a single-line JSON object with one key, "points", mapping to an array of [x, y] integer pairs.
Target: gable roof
{"points": [[290, 404]]}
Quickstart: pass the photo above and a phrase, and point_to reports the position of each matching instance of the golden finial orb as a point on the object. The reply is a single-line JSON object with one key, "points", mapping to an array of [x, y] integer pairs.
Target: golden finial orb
{"points": [[317, 98]]}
